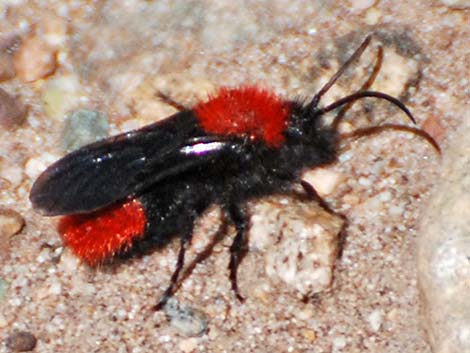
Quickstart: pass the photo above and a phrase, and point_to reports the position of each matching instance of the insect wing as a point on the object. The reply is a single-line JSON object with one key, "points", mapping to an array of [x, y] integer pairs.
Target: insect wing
{"points": [[123, 166]]}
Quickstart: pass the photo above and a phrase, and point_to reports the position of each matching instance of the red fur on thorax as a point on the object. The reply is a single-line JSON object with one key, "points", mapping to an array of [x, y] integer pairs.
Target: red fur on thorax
{"points": [[97, 236], [246, 111]]}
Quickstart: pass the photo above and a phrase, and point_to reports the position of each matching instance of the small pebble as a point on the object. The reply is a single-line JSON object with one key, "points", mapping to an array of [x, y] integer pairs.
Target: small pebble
{"points": [[306, 314], [359, 5], [309, 334], [12, 112], [188, 345], [457, 4], [372, 16], [339, 342], [323, 180], [10, 172], [8, 43], [36, 165], [55, 30], [61, 95], [375, 319], [34, 60], [11, 222], [3, 288], [68, 262], [21, 341], [433, 126], [186, 320], [82, 127], [7, 70], [55, 288]]}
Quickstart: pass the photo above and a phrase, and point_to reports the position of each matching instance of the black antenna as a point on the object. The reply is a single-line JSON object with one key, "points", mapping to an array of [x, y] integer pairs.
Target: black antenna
{"points": [[363, 94], [348, 100], [365, 86], [357, 54], [373, 130]]}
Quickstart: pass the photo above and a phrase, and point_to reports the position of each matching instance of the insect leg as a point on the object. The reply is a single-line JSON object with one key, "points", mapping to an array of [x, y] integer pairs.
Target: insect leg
{"points": [[239, 248], [185, 241], [168, 100], [313, 194]]}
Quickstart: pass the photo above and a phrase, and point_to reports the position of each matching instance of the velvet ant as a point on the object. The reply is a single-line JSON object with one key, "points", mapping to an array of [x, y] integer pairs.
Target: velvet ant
{"points": [[143, 187]]}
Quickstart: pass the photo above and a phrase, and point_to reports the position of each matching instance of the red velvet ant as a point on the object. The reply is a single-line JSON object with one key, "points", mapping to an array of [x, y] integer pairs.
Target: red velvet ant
{"points": [[140, 188]]}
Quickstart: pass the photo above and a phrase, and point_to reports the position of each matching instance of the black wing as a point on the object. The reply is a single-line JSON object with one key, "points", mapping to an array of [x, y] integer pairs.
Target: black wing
{"points": [[124, 165]]}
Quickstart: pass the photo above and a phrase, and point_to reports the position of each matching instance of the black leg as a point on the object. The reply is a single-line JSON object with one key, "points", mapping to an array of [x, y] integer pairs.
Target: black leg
{"points": [[184, 243], [168, 100], [313, 194], [239, 248]]}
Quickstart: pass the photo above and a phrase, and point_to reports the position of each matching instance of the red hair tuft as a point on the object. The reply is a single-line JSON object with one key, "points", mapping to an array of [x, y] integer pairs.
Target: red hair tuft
{"points": [[245, 111], [96, 236]]}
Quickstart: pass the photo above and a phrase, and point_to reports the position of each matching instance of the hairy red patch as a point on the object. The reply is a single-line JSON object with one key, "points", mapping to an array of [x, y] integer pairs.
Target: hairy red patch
{"points": [[245, 111], [99, 235]]}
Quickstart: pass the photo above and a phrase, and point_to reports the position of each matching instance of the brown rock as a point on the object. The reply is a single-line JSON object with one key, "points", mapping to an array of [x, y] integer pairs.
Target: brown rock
{"points": [[11, 222], [34, 60], [21, 341], [8, 44], [12, 113], [7, 70], [433, 126]]}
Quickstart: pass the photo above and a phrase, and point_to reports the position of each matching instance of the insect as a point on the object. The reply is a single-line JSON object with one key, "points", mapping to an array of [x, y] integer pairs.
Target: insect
{"points": [[145, 186]]}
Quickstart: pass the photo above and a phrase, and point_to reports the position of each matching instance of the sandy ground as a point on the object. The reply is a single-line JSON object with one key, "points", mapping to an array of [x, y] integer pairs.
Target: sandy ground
{"points": [[119, 54]]}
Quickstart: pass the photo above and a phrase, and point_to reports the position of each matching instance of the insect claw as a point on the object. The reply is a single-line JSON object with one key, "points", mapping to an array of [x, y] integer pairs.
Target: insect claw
{"points": [[163, 301], [239, 297]]}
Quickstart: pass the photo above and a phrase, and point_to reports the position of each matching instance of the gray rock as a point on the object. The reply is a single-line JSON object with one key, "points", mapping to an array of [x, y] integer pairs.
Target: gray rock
{"points": [[185, 320], [83, 126]]}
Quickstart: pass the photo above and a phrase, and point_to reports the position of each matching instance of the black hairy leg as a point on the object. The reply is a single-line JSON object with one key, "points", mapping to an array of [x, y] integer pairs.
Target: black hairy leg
{"points": [[239, 246], [313, 194], [237, 215], [185, 241]]}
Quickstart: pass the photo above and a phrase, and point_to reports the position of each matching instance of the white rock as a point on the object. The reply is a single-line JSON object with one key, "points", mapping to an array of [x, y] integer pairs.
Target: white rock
{"points": [[444, 253], [55, 288], [323, 180], [375, 319], [36, 165], [300, 242], [188, 345]]}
